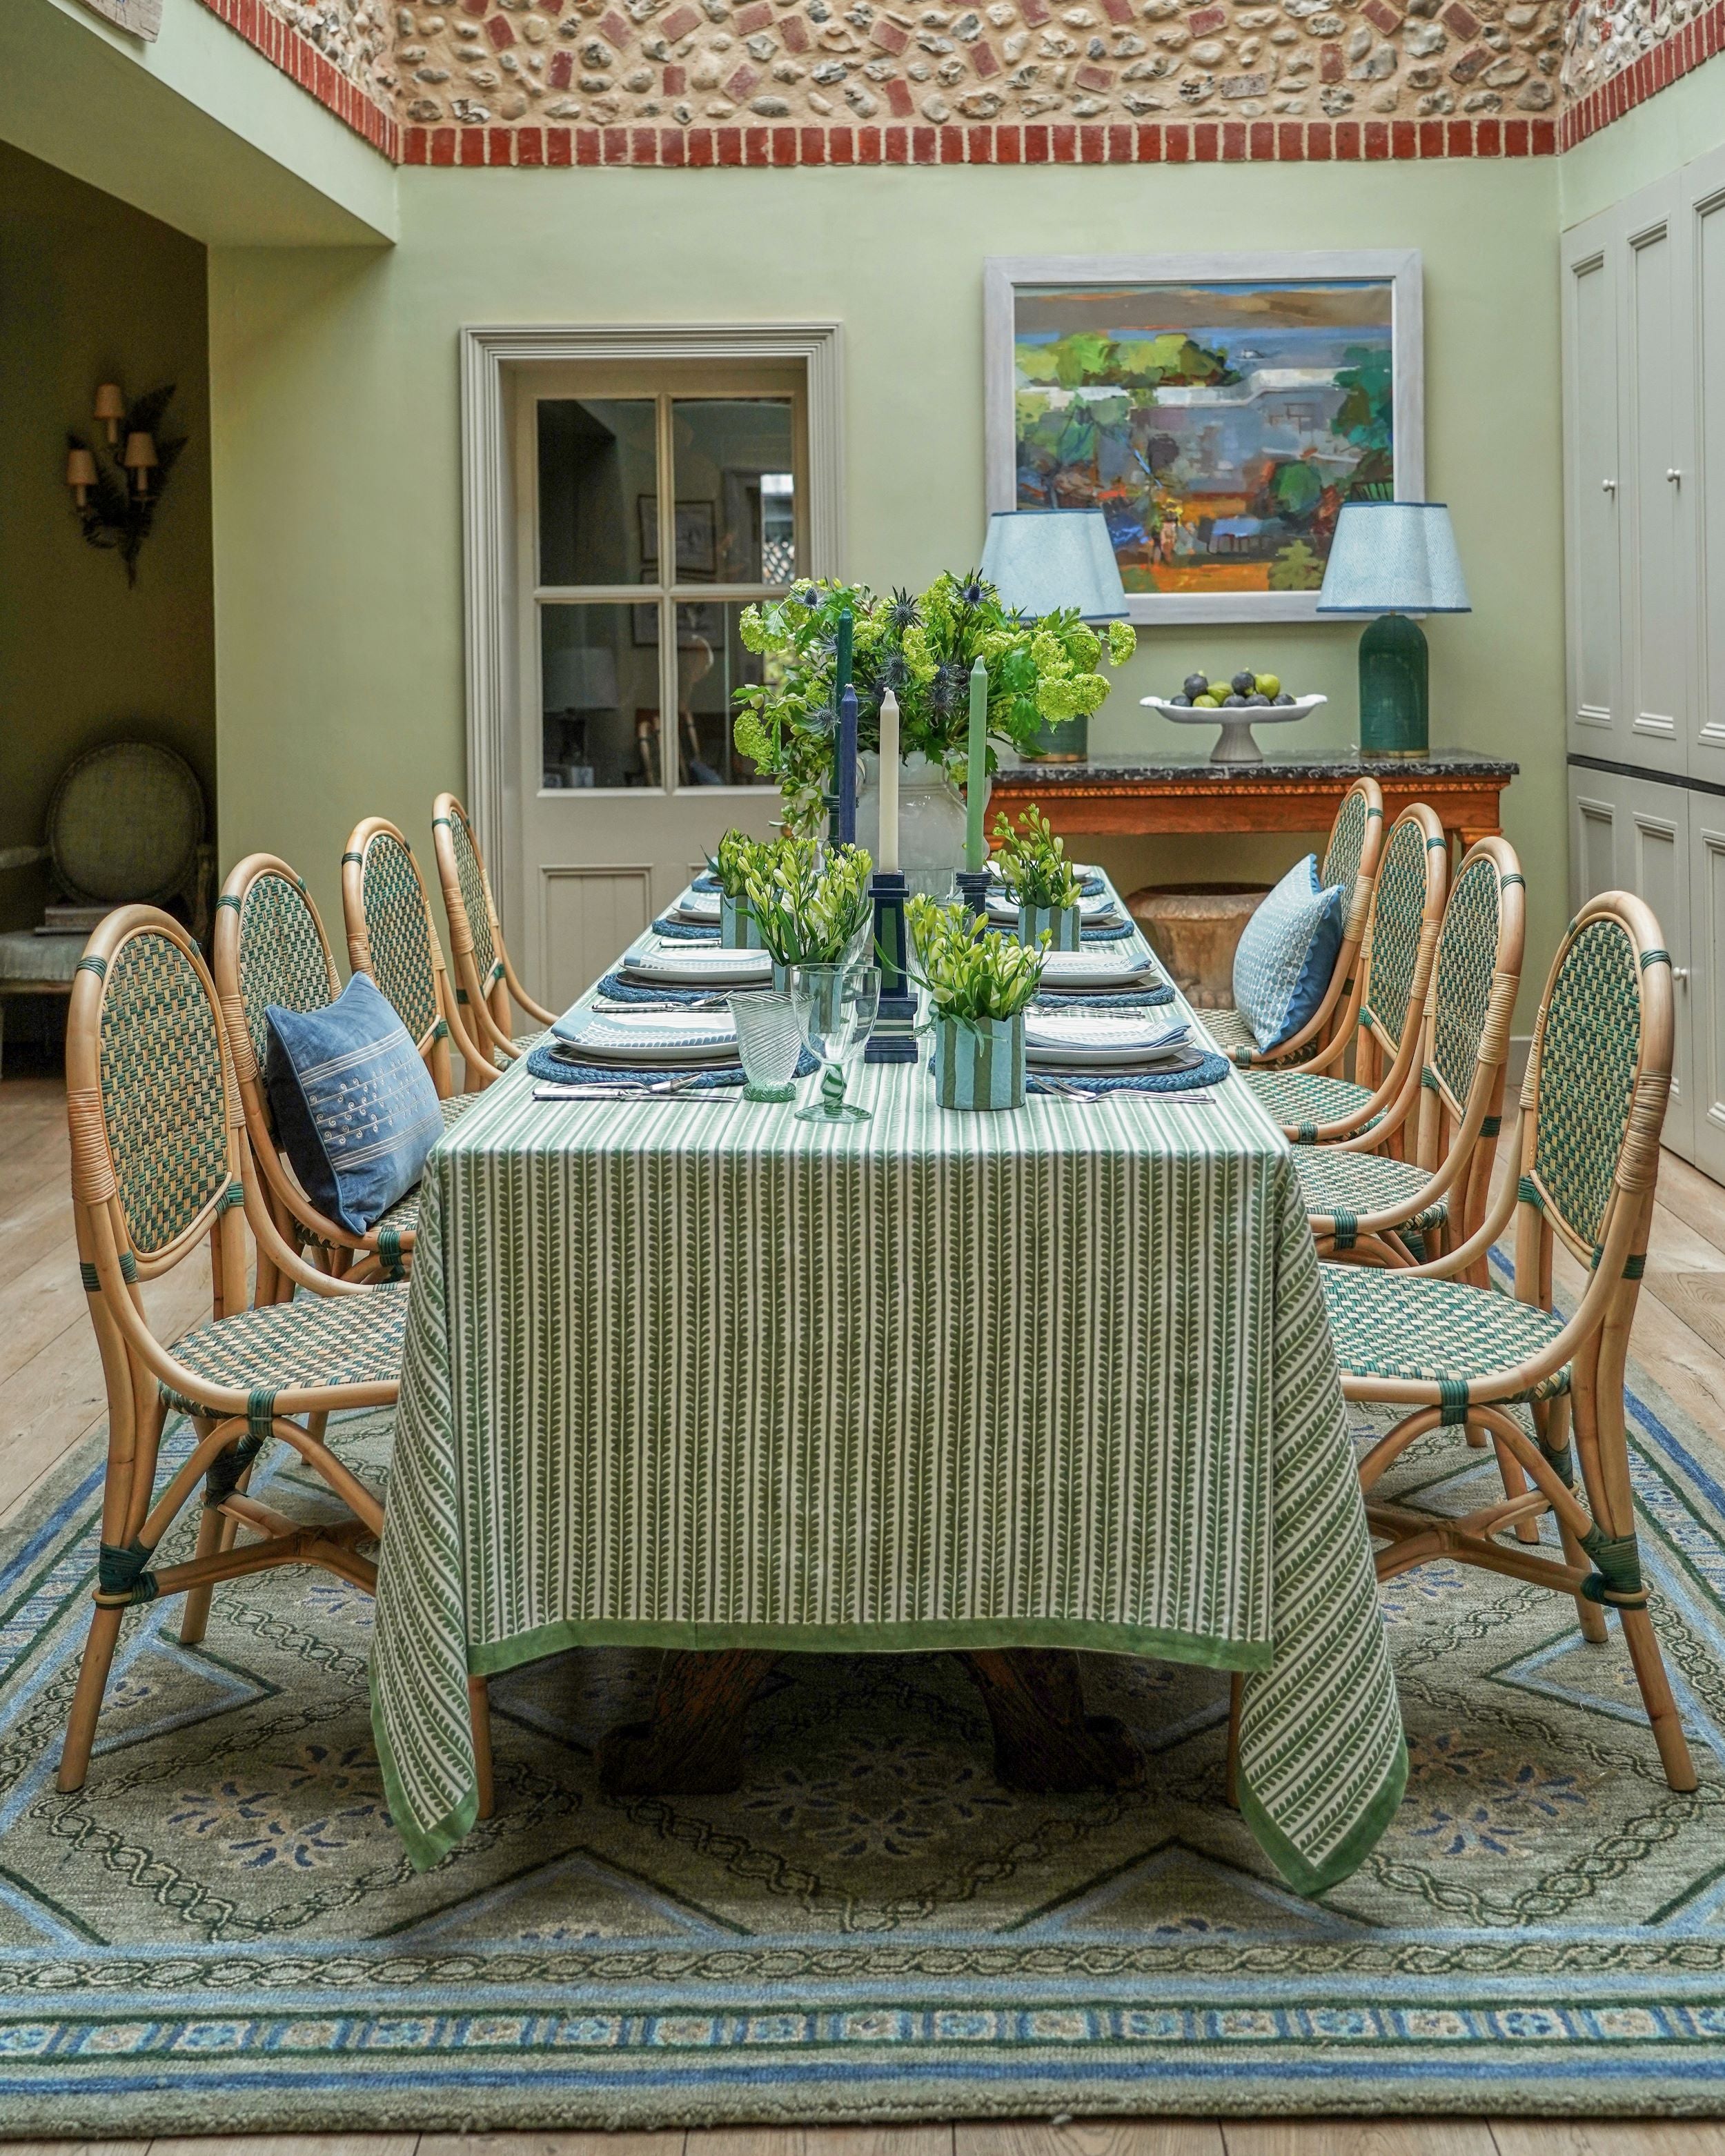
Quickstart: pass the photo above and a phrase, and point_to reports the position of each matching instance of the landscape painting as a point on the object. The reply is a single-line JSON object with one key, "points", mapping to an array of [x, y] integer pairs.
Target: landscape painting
{"points": [[1218, 423]]}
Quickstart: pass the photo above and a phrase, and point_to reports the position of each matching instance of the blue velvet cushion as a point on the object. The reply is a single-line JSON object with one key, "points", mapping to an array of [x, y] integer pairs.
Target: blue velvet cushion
{"points": [[354, 1104], [1287, 954]]}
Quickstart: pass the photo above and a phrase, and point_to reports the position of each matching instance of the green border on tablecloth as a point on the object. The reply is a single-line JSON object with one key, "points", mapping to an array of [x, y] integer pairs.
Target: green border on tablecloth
{"points": [[1349, 1854]]}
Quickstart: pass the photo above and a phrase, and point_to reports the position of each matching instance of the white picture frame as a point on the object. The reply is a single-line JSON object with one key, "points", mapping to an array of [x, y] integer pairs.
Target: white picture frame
{"points": [[1007, 278]]}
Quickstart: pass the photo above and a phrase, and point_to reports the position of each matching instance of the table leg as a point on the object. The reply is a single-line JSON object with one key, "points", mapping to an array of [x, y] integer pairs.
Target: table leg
{"points": [[1044, 1743], [691, 1745]]}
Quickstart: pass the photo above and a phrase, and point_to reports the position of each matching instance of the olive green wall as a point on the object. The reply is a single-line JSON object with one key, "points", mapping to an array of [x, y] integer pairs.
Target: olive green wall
{"points": [[1683, 122], [93, 291], [337, 478]]}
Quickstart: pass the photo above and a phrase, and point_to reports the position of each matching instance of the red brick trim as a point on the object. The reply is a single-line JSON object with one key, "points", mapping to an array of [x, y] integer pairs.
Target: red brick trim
{"points": [[1697, 42], [299, 57], [1153, 143]]}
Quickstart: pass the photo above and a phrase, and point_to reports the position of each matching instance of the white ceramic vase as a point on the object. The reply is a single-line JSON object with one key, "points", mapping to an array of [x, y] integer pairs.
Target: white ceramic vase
{"points": [[930, 821]]}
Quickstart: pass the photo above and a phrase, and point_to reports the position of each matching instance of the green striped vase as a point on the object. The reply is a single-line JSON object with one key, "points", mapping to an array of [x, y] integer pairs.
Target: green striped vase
{"points": [[979, 1064], [737, 927], [1062, 923]]}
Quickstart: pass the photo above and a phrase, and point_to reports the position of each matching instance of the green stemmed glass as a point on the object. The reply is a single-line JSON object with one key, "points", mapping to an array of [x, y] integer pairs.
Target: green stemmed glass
{"points": [[839, 1004]]}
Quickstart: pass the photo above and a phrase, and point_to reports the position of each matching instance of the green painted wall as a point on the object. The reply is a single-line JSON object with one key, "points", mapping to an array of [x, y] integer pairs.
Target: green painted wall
{"points": [[1683, 122], [337, 482], [92, 291]]}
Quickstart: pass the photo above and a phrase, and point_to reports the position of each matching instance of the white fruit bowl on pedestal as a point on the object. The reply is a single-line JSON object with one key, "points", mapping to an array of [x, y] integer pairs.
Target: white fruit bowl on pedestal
{"points": [[1235, 744]]}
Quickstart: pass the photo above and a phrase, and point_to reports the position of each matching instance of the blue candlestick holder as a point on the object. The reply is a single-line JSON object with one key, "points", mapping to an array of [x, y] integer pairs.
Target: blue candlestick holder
{"points": [[973, 890], [894, 1039]]}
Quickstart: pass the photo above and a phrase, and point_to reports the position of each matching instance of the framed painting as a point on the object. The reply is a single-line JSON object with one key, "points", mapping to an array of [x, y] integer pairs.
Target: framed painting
{"points": [[1219, 409]]}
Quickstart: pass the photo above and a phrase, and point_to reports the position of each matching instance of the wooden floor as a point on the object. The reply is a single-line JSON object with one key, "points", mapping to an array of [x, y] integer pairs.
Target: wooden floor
{"points": [[51, 1396]]}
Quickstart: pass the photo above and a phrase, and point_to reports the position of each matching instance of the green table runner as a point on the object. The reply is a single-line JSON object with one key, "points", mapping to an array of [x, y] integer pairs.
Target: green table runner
{"points": [[702, 1377]]}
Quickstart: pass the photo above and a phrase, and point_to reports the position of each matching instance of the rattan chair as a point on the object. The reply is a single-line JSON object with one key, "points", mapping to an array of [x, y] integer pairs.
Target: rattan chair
{"points": [[158, 1165], [487, 982], [1364, 1206], [1351, 856], [1593, 1104], [270, 948], [1385, 1024], [391, 937]]}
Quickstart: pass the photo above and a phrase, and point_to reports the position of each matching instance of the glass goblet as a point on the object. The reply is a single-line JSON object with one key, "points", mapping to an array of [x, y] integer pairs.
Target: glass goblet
{"points": [[840, 1003]]}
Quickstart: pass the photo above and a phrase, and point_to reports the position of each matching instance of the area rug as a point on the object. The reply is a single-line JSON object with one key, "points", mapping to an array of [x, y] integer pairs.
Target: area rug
{"points": [[222, 1931]]}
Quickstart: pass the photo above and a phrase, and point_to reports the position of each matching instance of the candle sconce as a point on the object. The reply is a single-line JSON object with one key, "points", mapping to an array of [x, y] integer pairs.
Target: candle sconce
{"points": [[115, 502]]}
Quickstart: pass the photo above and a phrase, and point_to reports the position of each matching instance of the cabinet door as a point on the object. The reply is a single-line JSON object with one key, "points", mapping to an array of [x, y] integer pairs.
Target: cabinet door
{"points": [[1703, 992], [1656, 565], [1704, 490], [1653, 856], [1591, 489], [1592, 835]]}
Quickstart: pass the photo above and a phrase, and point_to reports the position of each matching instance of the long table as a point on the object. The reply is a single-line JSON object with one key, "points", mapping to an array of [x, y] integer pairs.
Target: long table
{"points": [[714, 1380]]}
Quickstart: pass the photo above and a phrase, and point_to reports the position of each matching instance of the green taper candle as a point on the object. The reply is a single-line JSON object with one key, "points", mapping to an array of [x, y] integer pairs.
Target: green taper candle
{"points": [[976, 777]]}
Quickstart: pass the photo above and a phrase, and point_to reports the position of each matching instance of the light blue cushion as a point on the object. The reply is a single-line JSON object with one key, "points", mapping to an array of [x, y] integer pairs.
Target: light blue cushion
{"points": [[354, 1104], [1287, 954]]}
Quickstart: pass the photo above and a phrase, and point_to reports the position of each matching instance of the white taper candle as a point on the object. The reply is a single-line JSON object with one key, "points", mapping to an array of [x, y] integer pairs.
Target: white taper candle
{"points": [[889, 783]]}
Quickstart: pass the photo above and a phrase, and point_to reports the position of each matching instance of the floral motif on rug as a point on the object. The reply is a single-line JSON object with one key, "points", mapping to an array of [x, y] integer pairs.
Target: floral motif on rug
{"points": [[223, 1922]]}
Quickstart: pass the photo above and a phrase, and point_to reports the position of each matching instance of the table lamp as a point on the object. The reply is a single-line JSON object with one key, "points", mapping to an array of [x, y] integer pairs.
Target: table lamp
{"points": [[1393, 559], [1042, 559]]}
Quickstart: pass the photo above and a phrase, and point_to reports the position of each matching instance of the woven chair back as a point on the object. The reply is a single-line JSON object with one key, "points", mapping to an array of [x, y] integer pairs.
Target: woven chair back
{"points": [[1599, 1071], [1479, 947], [277, 953], [148, 1092], [472, 890], [1356, 838], [389, 931], [1412, 878]]}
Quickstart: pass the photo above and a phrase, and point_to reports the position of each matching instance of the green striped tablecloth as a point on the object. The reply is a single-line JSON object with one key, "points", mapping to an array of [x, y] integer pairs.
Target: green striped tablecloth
{"points": [[708, 1377]]}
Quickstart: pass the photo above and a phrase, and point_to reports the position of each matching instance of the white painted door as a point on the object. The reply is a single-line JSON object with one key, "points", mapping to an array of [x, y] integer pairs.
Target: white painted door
{"points": [[1591, 486], [1656, 582], [1702, 992], [653, 504], [1653, 842], [1705, 345]]}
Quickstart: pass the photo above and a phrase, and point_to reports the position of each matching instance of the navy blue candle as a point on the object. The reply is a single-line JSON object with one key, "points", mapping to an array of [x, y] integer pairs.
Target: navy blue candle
{"points": [[847, 766]]}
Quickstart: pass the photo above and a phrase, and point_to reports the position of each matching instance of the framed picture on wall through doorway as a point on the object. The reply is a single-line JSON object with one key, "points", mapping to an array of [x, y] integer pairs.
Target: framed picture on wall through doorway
{"points": [[1219, 409]]}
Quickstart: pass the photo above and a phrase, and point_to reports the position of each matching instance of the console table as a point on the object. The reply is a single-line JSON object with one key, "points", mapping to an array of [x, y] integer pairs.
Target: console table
{"points": [[1178, 792]]}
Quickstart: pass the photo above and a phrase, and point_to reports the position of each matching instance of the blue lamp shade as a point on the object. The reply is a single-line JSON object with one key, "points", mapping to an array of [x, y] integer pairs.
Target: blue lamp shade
{"points": [[1042, 559], [1394, 557]]}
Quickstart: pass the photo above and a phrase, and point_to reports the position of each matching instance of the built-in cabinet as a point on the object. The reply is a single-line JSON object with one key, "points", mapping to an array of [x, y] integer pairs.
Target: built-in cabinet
{"points": [[1644, 410]]}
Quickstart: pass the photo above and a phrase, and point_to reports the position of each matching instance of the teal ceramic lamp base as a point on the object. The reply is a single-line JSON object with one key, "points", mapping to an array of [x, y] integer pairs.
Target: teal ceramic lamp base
{"points": [[1393, 693]]}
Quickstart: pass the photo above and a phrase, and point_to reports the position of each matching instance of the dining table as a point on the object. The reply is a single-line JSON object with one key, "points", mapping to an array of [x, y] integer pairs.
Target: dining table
{"points": [[1024, 1387]]}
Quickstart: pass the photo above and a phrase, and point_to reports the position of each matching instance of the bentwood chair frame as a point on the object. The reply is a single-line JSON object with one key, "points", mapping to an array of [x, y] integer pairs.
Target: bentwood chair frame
{"points": [[390, 937], [1475, 979], [1352, 853], [1591, 1117], [1385, 1022], [486, 981], [159, 1161], [271, 947]]}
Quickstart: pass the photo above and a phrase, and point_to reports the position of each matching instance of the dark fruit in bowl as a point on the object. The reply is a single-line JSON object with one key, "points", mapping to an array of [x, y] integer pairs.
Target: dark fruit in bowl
{"points": [[1243, 683], [1184, 702], [1284, 698], [1234, 700], [1257, 699], [1195, 685]]}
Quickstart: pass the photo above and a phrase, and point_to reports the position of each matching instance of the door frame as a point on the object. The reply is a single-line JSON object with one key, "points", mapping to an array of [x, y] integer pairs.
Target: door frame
{"points": [[490, 354]]}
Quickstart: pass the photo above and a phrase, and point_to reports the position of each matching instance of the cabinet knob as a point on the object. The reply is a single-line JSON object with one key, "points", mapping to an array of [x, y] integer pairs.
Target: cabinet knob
{"points": [[1680, 974], [1608, 485], [1674, 475]]}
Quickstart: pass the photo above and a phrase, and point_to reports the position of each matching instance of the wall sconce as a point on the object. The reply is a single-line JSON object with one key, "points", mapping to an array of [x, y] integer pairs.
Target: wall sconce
{"points": [[115, 505]]}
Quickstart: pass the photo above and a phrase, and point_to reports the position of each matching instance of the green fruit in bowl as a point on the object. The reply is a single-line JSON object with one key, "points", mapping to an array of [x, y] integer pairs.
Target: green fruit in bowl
{"points": [[1268, 685], [1205, 703]]}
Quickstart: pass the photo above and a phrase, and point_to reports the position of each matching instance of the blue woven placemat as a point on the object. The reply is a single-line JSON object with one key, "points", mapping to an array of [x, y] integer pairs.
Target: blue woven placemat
{"points": [[1091, 886], [685, 931], [1207, 1071], [1115, 935], [556, 1072], [707, 881], [1100, 999], [616, 990]]}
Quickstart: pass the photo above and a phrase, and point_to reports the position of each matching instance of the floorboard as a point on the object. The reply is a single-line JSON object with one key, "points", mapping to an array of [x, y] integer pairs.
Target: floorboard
{"points": [[51, 1397]]}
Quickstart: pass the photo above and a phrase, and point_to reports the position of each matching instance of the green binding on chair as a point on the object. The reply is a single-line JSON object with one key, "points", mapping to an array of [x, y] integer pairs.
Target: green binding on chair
{"points": [[1444, 1352]]}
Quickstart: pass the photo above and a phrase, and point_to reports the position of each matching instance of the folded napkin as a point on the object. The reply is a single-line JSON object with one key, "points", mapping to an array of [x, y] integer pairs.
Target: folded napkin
{"points": [[648, 1036], [697, 906], [1182, 1074], [1090, 1040], [685, 931]]}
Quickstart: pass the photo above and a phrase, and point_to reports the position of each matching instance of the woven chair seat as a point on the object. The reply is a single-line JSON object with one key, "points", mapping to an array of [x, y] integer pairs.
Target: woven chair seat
{"points": [[1229, 1030], [1388, 1326], [1331, 1181], [346, 1340], [1300, 1097]]}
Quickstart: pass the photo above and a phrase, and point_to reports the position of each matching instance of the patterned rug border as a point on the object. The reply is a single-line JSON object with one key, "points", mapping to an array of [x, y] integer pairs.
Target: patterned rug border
{"points": [[373, 2034]]}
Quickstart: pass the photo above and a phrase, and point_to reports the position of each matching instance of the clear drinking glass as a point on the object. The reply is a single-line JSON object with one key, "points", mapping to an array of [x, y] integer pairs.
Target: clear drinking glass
{"points": [[839, 1004], [769, 1039]]}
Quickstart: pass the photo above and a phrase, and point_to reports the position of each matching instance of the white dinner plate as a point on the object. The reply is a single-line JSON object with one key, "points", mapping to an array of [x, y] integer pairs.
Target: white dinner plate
{"points": [[1122, 965], [1094, 1041], [1084, 871], [1091, 911], [701, 905], [648, 1036], [674, 964]]}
